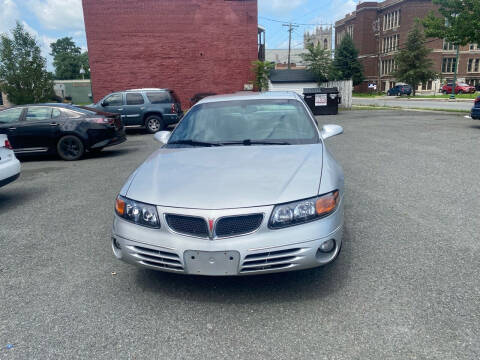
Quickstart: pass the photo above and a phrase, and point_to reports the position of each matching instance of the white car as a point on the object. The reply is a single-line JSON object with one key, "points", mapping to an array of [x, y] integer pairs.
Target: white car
{"points": [[9, 165]]}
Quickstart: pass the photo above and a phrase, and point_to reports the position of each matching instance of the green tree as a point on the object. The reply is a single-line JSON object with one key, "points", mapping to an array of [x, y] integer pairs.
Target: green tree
{"points": [[345, 65], [413, 63], [66, 59], [458, 23], [261, 70], [318, 61], [23, 74]]}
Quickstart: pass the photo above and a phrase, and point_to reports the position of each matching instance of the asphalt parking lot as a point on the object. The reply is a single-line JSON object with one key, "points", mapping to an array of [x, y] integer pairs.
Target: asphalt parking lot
{"points": [[405, 286]]}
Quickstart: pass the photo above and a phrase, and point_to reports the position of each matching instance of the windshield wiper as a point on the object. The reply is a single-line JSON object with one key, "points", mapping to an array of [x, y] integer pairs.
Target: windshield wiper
{"points": [[248, 142], [193, 143]]}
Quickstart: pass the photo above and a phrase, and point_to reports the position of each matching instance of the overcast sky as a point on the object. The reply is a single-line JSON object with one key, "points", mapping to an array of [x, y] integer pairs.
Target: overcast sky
{"points": [[49, 20]]}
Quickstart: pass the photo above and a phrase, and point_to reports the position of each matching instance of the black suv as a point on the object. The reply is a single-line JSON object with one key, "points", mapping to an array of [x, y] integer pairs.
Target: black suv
{"points": [[154, 109]]}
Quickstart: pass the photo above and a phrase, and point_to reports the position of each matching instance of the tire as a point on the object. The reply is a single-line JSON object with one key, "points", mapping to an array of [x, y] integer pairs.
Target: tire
{"points": [[444, 92], [70, 148], [154, 123], [460, 92]]}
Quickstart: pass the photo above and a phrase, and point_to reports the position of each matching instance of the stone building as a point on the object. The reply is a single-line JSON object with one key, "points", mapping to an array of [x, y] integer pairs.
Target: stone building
{"points": [[321, 35], [380, 29], [189, 46]]}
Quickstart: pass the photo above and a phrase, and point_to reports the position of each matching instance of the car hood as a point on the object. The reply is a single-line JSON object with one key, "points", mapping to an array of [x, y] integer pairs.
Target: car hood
{"points": [[228, 177]]}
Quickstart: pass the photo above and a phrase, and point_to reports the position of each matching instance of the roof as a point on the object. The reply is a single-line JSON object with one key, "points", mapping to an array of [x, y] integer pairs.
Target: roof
{"points": [[249, 95], [291, 76]]}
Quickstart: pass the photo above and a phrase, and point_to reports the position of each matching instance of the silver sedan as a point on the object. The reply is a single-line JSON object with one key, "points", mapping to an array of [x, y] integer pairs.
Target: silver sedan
{"points": [[243, 185]]}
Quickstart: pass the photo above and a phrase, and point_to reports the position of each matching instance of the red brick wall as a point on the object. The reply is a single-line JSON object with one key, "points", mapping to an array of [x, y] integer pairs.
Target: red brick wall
{"points": [[189, 46]]}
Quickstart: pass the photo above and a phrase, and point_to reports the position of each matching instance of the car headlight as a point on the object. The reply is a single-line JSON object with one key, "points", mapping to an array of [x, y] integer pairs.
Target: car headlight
{"points": [[300, 212], [137, 212]]}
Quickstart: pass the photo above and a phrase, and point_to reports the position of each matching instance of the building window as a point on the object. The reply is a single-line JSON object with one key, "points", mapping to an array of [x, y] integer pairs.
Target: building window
{"points": [[391, 20], [388, 66], [427, 86], [350, 30], [473, 47], [448, 46], [390, 43], [448, 65], [325, 44], [473, 65]]}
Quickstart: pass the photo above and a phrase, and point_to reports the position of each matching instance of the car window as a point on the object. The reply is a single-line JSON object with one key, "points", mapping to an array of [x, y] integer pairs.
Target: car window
{"points": [[39, 113], [134, 99], [158, 97], [113, 100], [10, 115], [254, 120], [56, 113]]}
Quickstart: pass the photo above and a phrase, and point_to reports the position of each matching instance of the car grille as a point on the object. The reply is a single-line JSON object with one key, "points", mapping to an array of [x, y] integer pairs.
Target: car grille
{"points": [[271, 260], [156, 258], [238, 225], [188, 225]]}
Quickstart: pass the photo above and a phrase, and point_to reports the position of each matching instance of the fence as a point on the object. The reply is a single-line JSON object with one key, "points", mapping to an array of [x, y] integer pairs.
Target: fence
{"points": [[345, 88]]}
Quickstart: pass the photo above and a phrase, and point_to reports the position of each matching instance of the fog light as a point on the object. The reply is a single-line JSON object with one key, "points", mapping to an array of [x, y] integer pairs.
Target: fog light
{"points": [[327, 246], [116, 244]]}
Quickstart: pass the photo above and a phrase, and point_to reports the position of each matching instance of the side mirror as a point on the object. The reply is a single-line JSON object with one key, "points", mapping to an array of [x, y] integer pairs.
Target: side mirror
{"points": [[162, 136], [331, 130]]}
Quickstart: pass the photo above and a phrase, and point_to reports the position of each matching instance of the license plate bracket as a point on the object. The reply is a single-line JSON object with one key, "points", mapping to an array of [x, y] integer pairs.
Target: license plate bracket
{"points": [[214, 263]]}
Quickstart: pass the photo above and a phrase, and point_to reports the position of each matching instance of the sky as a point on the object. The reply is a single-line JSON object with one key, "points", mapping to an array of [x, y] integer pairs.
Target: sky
{"points": [[49, 20]]}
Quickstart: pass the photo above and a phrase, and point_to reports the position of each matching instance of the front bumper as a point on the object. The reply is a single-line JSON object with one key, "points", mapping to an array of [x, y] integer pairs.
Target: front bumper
{"points": [[264, 251]]}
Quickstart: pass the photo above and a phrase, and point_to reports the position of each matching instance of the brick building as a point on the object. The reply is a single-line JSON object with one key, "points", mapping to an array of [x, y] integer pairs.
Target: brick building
{"points": [[380, 29], [189, 46]]}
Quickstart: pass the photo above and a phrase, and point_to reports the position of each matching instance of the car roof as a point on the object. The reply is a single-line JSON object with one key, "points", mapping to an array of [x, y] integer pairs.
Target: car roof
{"points": [[60, 105], [147, 89], [249, 95]]}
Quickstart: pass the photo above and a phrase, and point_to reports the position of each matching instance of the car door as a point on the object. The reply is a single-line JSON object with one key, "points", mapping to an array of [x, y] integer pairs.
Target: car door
{"points": [[113, 103], [10, 119], [37, 130], [133, 108]]}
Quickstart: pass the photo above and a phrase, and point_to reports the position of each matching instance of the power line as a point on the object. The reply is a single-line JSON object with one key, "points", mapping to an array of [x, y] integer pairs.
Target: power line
{"points": [[293, 23]]}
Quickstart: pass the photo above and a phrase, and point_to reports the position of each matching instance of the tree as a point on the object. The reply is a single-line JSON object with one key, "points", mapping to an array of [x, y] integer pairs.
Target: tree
{"points": [[459, 22], [413, 63], [345, 65], [318, 61], [23, 74], [67, 59], [261, 70]]}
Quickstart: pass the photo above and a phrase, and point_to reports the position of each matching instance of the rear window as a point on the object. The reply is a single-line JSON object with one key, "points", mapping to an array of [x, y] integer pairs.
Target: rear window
{"points": [[159, 97]]}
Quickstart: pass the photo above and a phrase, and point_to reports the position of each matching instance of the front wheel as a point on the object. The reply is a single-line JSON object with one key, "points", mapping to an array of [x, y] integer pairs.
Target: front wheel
{"points": [[444, 92], [154, 124], [460, 92], [70, 148]]}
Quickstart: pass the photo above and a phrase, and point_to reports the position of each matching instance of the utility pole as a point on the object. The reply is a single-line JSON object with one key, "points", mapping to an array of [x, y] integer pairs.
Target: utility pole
{"points": [[290, 30]]}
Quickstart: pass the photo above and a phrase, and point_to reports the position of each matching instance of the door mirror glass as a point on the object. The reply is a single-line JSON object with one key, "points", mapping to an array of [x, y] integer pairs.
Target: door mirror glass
{"points": [[162, 136], [331, 130]]}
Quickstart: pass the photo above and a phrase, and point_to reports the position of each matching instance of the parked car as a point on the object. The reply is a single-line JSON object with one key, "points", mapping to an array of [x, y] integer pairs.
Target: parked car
{"points": [[475, 112], [9, 165], [243, 185], [63, 129], [399, 90], [153, 109], [461, 88]]}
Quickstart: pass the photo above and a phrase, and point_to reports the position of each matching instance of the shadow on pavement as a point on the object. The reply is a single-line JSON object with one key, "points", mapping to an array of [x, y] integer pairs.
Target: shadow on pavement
{"points": [[278, 288], [14, 199]]}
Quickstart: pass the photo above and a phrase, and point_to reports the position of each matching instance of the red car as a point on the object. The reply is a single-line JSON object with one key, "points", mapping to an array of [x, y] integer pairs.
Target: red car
{"points": [[461, 88]]}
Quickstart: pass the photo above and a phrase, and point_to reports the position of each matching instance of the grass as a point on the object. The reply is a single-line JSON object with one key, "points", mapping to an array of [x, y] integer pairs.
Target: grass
{"points": [[373, 107], [366, 95]]}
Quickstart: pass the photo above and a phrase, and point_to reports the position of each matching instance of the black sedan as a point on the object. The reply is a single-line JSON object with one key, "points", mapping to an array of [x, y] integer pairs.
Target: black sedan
{"points": [[63, 129]]}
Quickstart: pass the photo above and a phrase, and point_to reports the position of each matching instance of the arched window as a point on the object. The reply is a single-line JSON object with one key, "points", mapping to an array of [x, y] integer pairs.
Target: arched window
{"points": [[325, 44]]}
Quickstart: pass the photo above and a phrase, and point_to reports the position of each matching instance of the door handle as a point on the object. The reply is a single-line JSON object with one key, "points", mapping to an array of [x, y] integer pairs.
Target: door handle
{"points": [[53, 124], [12, 128], [120, 109]]}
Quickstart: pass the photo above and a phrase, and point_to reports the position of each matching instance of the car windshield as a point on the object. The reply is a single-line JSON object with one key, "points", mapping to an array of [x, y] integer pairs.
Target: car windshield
{"points": [[246, 122]]}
